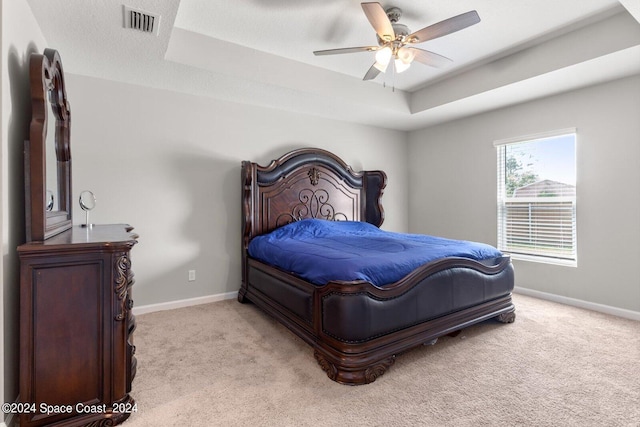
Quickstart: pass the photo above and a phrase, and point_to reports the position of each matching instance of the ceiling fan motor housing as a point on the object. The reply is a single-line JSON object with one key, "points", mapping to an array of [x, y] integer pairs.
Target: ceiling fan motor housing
{"points": [[401, 29], [394, 14]]}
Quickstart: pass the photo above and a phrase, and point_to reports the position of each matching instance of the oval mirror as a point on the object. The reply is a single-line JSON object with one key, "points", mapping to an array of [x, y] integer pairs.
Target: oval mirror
{"points": [[87, 200]]}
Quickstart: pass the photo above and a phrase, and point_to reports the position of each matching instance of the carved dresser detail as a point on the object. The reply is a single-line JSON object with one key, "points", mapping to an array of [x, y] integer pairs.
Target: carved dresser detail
{"points": [[76, 347]]}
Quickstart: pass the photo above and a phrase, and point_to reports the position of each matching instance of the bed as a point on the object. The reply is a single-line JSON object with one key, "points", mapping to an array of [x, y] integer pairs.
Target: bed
{"points": [[355, 327]]}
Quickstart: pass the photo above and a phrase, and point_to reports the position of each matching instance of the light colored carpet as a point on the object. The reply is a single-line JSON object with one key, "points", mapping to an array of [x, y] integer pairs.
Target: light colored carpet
{"points": [[229, 364]]}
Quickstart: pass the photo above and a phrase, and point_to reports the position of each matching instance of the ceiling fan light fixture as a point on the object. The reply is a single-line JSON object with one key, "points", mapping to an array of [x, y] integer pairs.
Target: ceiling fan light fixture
{"points": [[401, 65], [406, 55], [383, 56], [403, 59]]}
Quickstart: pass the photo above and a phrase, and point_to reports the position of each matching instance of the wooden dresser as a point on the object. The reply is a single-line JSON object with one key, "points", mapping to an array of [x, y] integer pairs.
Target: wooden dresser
{"points": [[76, 348]]}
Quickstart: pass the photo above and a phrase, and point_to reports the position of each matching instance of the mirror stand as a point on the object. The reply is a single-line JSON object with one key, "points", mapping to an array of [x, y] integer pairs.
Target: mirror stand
{"points": [[87, 203]]}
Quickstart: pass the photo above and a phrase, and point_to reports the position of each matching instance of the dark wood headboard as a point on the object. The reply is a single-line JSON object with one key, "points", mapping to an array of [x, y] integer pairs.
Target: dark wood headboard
{"points": [[307, 183]]}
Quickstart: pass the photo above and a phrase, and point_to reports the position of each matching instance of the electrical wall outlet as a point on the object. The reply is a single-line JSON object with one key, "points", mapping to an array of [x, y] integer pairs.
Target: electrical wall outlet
{"points": [[192, 275]]}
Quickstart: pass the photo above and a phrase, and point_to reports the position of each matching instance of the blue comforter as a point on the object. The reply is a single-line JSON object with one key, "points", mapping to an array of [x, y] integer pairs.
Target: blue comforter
{"points": [[320, 251]]}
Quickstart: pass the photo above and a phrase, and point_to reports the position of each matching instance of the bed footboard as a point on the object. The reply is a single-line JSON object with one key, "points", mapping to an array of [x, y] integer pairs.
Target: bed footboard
{"points": [[356, 313], [357, 329]]}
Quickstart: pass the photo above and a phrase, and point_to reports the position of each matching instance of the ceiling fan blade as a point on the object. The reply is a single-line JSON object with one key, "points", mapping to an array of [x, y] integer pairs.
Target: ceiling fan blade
{"points": [[445, 27], [346, 50], [372, 73], [379, 20], [429, 58]]}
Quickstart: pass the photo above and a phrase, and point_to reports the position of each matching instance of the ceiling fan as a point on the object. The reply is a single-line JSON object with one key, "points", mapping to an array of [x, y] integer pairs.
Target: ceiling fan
{"points": [[395, 41]]}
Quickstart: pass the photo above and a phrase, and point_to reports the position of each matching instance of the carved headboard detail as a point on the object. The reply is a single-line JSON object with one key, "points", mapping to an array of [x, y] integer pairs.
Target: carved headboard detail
{"points": [[308, 193], [307, 183]]}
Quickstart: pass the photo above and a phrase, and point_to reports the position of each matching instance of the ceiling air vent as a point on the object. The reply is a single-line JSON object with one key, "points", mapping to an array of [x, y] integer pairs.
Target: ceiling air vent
{"points": [[141, 21]]}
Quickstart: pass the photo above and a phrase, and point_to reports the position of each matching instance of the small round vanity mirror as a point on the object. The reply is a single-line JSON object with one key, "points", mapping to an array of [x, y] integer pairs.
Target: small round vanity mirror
{"points": [[87, 202], [50, 201]]}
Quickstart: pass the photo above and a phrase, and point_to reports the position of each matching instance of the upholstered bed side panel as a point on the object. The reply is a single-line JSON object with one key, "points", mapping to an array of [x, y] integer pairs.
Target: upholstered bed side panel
{"points": [[359, 317], [294, 299]]}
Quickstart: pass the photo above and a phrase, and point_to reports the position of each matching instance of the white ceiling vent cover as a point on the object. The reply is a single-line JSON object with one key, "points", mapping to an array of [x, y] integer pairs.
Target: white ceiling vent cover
{"points": [[140, 20]]}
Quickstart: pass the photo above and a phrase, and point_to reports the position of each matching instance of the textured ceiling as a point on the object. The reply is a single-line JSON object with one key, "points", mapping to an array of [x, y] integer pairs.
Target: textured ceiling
{"points": [[260, 52]]}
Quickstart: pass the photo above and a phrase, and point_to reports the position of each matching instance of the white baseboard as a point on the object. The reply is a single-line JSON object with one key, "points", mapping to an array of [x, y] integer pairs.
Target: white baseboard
{"points": [[620, 312], [150, 308]]}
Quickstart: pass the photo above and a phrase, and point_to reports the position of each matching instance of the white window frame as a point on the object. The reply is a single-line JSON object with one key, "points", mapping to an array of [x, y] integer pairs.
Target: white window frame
{"points": [[535, 254]]}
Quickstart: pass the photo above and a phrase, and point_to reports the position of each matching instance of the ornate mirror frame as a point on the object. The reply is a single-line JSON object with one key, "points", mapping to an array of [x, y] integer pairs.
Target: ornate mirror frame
{"points": [[47, 90]]}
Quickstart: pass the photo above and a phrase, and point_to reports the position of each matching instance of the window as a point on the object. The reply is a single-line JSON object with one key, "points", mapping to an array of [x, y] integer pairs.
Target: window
{"points": [[537, 197]]}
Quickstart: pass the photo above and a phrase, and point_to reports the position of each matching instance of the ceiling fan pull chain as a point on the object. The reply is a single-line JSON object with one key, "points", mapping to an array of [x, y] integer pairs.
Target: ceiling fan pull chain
{"points": [[393, 76]]}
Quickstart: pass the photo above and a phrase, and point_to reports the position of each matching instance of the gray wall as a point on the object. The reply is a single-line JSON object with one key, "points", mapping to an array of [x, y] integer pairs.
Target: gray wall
{"points": [[452, 178], [169, 164]]}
